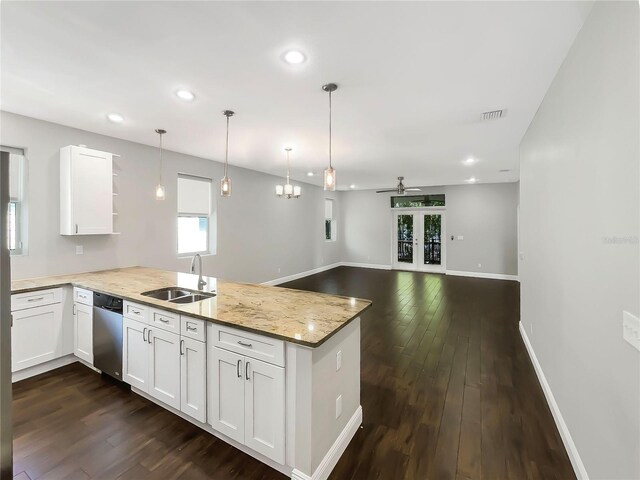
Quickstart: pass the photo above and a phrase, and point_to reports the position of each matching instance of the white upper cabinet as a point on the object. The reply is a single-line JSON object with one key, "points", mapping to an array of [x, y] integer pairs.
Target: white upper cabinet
{"points": [[86, 191]]}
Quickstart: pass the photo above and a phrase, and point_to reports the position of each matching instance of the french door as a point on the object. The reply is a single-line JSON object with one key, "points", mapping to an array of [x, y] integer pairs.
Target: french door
{"points": [[419, 241]]}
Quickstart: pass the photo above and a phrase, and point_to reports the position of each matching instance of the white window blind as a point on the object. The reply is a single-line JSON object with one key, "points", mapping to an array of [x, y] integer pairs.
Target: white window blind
{"points": [[194, 215], [17, 214], [194, 195]]}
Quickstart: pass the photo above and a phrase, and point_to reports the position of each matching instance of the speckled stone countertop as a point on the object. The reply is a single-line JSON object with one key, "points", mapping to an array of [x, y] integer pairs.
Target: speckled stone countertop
{"points": [[296, 316]]}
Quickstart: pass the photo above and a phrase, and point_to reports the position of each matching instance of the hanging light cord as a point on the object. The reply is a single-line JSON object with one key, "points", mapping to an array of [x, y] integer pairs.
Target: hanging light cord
{"points": [[160, 159], [330, 130], [226, 151], [288, 166]]}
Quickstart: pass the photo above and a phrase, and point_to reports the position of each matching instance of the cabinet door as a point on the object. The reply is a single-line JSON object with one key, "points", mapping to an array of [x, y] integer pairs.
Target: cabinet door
{"points": [[264, 409], [164, 367], [91, 191], [193, 378], [135, 354], [226, 393], [36, 336], [83, 332]]}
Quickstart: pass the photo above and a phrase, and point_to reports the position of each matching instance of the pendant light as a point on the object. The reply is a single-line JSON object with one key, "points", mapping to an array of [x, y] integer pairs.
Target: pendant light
{"points": [[225, 183], [287, 190], [330, 173], [160, 188]]}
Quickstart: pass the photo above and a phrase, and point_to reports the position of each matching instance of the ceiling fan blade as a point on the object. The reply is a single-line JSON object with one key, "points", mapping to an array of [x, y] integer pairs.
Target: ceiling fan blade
{"points": [[412, 189], [387, 191]]}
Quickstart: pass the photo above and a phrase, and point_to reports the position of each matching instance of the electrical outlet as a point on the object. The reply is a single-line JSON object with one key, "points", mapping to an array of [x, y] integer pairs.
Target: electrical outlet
{"points": [[460, 237], [631, 329], [338, 360], [79, 250], [278, 269], [338, 406], [479, 265]]}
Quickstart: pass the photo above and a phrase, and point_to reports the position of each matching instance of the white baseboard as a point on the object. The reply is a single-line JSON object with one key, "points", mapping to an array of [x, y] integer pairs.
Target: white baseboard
{"points": [[570, 446], [43, 368], [335, 452], [295, 276], [494, 276], [366, 265]]}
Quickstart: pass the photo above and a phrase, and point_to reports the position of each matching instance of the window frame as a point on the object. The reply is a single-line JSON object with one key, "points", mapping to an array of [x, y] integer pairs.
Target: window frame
{"points": [[209, 245], [21, 210], [332, 224]]}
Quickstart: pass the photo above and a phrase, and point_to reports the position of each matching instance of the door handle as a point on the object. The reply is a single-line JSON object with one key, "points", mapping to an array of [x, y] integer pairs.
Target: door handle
{"points": [[181, 347], [246, 370], [238, 368], [144, 332]]}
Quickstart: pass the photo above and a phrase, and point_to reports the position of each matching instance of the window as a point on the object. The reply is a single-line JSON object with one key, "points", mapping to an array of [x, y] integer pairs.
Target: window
{"points": [[194, 214], [408, 201], [16, 217], [329, 222]]}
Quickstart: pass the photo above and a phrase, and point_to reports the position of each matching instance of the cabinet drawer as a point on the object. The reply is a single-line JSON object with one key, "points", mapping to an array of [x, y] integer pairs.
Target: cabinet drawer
{"points": [[164, 320], [135, 311], [20, 301], [255, 346], [193, 328], [83, 296]]}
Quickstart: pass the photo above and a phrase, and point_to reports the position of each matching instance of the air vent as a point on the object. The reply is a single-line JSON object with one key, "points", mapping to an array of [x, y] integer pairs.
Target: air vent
{"points": [[492, 115], [504, 170]]}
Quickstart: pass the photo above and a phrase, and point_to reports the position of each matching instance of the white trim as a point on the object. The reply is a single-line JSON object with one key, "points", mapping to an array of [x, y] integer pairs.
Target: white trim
{"points": [[335, 452], [296, 276], [43, 367], [366, 265], [572, 451], [494, 276]]}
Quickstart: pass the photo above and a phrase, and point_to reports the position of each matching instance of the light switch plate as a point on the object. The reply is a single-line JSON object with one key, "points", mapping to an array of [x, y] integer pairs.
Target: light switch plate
{"points": [[631, 329], [79, 249], [460, 237]]}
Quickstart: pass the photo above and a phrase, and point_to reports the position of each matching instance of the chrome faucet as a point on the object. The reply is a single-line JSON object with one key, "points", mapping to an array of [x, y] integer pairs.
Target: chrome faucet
{"points": [[201, 282]]}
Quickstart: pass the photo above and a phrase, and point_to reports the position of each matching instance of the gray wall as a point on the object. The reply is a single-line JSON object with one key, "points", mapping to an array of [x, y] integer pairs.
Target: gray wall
{"points": [[484, 214], [579, 222], [260, 236]]}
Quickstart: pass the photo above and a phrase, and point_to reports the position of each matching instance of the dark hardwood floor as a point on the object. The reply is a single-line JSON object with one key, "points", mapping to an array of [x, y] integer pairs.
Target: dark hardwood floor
{"points": [[448, 392]]}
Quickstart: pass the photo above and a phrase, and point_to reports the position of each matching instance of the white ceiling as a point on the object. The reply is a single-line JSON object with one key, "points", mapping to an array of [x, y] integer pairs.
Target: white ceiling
{"points": [[413, 79]]}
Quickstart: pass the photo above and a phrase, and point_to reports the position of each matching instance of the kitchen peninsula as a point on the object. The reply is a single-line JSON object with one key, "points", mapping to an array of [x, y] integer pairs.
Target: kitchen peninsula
{"points": [[273, 371]]}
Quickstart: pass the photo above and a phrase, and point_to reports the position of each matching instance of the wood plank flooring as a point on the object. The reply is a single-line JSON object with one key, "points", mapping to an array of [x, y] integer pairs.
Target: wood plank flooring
{"points": [[448, 392]]}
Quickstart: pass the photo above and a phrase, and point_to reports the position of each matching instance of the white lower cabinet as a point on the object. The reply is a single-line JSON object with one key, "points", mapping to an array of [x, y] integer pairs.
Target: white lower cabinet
{"points": [[83, 332], [135, 354], [164, 366], [247, 401], [36, 336], [193, 378]]}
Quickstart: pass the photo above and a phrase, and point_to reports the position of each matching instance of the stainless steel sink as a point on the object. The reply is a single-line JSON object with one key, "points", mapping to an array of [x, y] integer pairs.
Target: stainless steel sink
{"points": [[179, 295]]}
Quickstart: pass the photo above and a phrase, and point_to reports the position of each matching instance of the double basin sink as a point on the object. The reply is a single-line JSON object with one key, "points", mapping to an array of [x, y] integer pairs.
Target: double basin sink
{"points": [[179, 295]]}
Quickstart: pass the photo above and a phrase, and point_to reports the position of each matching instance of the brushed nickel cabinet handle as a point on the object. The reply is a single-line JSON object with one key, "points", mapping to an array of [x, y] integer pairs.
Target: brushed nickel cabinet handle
{"points": [[181, 347], [246, 370], [248, 345], [163, 320], [149, 336], [35, 299], [238, 368], [191, 329], [144, 332]]}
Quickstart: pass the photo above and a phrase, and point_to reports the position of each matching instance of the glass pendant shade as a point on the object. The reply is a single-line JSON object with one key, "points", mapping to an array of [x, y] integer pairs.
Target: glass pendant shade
{"points": [[297, 191], [160, 192], [330, 179], [288, 189], [225, 187], [279, 190]]}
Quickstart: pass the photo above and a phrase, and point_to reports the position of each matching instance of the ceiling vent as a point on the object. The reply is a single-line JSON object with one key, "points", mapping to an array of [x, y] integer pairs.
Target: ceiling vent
{"points": [[492, 115]]}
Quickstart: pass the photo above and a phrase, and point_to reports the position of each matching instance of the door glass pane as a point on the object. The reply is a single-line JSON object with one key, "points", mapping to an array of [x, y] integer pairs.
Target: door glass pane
{"points": [[405, 238], [432, 239]]}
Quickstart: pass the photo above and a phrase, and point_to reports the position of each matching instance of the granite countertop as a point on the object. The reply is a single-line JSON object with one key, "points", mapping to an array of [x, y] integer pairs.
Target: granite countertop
{"points": [[296, 316]]}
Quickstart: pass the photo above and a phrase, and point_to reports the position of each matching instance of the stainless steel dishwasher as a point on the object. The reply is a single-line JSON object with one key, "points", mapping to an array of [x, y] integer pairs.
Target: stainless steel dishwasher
{"points": [[107, 334]]}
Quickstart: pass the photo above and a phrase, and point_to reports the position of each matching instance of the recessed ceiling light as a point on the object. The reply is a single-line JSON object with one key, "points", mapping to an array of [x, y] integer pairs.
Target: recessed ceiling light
{"points": [[115, 118], [469, 161], [185, 95], [472, 180], [352, 186], [294, 57], [309, 174]]}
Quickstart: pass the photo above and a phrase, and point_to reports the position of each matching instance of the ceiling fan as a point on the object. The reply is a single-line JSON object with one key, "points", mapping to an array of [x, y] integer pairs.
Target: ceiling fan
{"points": [[400, 189]]}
